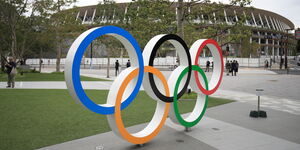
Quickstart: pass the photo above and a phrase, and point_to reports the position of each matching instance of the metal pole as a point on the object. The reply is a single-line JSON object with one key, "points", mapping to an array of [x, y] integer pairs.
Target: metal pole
{"points": [[285, 52], [280, 53], [91, 55], [258, 104]]}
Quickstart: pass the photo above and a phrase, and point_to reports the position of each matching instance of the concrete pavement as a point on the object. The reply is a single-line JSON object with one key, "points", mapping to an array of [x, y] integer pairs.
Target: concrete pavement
{"points": [[223, 127]]}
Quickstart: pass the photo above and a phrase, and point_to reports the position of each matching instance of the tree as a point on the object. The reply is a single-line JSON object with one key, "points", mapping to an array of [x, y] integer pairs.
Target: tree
{"points": [[216, 29], [62, 24], [144, 21], [249, 49], [4, 42], [12, 13]]}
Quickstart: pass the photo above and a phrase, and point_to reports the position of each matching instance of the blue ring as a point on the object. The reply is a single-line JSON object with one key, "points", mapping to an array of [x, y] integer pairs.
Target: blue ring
{"points": [[85, 100]]}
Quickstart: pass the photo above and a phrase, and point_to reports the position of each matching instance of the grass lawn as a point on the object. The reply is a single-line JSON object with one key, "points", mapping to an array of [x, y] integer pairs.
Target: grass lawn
{"points": [[45, 77], [33, 119]]}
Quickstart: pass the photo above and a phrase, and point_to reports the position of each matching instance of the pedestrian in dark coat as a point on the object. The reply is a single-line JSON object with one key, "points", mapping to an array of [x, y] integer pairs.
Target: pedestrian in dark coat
{"points": [[128, 64], [11, 72], [117, 67], [207, 66], [227, 65]]}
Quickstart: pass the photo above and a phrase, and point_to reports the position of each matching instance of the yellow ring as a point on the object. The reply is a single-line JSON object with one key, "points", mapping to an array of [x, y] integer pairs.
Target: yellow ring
{"points": [[118, 118]]}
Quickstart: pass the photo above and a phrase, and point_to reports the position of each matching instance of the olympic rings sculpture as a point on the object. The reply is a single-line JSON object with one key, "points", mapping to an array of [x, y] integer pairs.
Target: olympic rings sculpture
{"points": [[126, 86]]}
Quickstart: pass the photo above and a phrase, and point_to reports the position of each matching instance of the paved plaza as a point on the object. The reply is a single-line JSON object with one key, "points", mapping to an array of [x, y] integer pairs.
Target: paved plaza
{"points": [[223, 127]]}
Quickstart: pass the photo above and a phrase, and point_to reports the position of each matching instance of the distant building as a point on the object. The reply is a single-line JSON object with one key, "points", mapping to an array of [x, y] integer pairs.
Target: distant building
{"points": [[269, 29]]}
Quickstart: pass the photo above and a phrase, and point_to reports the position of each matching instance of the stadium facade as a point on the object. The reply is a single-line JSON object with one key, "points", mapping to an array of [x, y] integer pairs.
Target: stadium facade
{"points": [[269, 30]]}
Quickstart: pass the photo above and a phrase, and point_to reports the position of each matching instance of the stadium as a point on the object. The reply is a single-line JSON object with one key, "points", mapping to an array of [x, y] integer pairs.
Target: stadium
{"points": [[269, 30]]}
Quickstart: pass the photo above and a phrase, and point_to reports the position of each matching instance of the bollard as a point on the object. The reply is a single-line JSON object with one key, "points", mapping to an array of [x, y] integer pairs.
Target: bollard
{"points": [[258, 113], [187, 129]]}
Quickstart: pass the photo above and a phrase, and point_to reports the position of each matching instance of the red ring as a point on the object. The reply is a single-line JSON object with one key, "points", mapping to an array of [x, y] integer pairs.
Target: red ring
{"points": [[213, 42]]}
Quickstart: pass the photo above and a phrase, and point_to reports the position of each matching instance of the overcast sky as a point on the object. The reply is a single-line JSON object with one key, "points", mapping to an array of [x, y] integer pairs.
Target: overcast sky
{"points": [[287, 8]]}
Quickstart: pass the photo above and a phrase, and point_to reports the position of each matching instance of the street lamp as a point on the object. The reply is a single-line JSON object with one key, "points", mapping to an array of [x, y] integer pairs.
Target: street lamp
{"points": [[227, 51], [91, 55], [280, 51], [286, 47]]}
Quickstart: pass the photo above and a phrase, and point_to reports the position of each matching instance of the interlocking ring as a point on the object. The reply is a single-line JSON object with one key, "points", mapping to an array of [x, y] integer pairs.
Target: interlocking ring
{"points": [[126, 86], [73, 60]]}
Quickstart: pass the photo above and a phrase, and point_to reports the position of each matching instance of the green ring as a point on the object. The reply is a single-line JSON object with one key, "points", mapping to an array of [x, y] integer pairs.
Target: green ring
{"points": [[175, 104]]}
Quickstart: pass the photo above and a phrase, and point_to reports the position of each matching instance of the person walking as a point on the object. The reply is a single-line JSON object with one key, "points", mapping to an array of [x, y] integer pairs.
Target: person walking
{"points": [[128, 64], [227, 65], [236, 67], [117, 67], [207, 66], [11, 72]]}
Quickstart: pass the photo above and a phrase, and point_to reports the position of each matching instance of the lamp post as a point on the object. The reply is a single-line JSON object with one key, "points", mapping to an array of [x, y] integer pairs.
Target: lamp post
{"points": [[280, 51], [91, 56], [227, 51], [286, 49]]}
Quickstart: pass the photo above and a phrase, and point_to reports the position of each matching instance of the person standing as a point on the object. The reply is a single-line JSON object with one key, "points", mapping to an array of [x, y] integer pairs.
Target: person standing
{"points": [[128, 64], [230, 66], [207, 66], [117, 67], [233, 68], [11, 72], [266, 64]]}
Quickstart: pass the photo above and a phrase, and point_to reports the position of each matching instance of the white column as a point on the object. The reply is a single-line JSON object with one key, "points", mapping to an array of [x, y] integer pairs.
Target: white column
{"points": [[267, 46], [254, 19], [262, 23], [103, 17], [272, 23], [282, 26], [246, 21], [126, 13], [276, 23], [113, 18], [236, 18], [215, 17], [267, 22], [225, 15], [93, 15], [84, 17], [259, 42]]}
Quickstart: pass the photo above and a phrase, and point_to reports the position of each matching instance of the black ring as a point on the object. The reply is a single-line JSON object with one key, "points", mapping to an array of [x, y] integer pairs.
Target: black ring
{"points": [[151, 60]]}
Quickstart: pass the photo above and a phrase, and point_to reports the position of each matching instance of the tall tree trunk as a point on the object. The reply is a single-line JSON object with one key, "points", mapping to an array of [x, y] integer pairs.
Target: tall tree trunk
{"points": [[180, 19], [58, 56], [40, 62], [108, 67], [13, 42]]}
